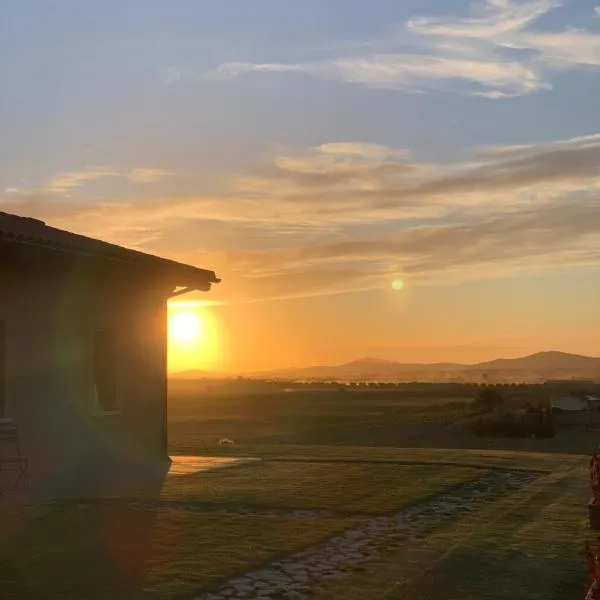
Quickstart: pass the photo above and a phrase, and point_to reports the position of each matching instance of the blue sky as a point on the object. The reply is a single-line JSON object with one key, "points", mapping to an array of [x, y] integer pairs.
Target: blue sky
{"points": [[311, 151], [89, 77]]}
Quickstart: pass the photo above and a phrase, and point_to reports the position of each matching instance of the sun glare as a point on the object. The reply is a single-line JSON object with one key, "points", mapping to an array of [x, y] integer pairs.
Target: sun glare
{"points": [[398, 284], [185, 326], [194, 337]]}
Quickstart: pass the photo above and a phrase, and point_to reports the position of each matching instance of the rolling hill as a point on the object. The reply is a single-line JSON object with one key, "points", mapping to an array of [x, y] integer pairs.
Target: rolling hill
{"points": [[543, 360], [538, 366]]}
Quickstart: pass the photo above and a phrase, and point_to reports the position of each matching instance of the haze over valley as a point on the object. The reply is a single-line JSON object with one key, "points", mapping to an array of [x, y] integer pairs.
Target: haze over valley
{"points": [[538, 367]]}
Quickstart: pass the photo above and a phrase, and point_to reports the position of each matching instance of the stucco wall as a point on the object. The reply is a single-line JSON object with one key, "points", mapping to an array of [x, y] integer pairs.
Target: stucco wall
{"points": [[50, 319]]}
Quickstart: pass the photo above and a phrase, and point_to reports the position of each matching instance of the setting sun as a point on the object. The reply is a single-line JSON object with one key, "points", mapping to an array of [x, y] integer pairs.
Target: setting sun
{"points": [[185, 326], [194, 339]]}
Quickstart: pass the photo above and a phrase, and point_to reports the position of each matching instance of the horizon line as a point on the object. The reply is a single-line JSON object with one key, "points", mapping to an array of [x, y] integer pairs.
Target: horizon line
{"points": [[365, 358]]}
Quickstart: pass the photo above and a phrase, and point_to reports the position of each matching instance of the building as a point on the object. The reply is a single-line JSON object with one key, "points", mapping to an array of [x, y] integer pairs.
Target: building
{"points": [[576, 403], [570, 403], [83, 339]]}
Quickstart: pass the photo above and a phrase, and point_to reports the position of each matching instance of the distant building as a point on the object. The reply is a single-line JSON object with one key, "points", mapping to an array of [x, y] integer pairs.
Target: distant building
{"points": [[593, 402], [83, 338], [570, 403], [576, 402]]}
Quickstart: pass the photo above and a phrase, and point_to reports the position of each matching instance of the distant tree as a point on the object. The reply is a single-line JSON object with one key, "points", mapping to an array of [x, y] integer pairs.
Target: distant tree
{"points": [[488, 399]]}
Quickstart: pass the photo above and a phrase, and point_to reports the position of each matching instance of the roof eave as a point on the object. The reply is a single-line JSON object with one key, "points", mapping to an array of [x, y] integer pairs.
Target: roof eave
{"points": [[182, 275]]}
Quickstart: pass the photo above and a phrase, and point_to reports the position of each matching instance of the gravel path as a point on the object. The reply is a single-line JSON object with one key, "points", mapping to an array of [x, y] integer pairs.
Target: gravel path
{"points": [[301, 575]]}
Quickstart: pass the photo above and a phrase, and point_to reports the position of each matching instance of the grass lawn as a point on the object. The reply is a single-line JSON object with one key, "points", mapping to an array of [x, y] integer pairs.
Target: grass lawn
{"points": [[114, 550], [527, 545], [101, 552], [349, 487]]}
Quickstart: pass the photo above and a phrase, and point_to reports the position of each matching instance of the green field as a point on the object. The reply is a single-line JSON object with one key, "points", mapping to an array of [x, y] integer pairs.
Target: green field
{"points": [[203, 529], [379, 419]]}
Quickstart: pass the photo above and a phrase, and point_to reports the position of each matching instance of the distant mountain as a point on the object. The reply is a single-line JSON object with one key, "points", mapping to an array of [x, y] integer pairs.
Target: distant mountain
{"points": [[542, 361], [364, 368], [542, 365]]}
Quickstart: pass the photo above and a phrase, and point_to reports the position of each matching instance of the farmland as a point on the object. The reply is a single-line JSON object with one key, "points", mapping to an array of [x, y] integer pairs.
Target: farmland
{"points": [[273, 422]]}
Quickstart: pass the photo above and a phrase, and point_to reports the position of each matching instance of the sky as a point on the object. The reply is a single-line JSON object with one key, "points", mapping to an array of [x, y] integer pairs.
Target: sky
{"points": [[312, 153]]}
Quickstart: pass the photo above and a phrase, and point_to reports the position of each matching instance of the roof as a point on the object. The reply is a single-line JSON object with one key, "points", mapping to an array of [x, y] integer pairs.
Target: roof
{"points": [[570, 403], [30, 232]]}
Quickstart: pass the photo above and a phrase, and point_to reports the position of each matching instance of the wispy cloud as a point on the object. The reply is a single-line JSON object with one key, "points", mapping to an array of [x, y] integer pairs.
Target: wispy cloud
{"points": [[147, 175], [409, 72], [494, 52], [63, 182], [348, 216], [518, 237]]}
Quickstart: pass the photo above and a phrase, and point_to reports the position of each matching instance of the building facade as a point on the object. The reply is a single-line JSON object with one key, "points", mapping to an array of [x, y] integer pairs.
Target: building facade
{"points": [[83, 338]]}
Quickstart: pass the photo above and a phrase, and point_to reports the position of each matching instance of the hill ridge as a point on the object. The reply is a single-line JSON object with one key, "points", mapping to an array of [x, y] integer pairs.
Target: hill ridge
{"points": [[370, 367]]}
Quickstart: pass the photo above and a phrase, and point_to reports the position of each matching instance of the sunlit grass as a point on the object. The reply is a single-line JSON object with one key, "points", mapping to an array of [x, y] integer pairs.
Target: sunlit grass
{"points": [[335, 487], [527, 544]]}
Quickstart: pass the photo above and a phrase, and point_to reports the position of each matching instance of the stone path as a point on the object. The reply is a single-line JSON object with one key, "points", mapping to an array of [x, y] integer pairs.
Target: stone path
{"points": [[300, 576]]}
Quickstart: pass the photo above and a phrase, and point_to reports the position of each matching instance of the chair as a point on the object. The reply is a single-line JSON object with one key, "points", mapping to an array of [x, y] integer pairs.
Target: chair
{"points": [[10, 454]]}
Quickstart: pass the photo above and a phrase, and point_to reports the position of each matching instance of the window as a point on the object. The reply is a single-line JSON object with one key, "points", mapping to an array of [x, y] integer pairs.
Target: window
{"points": [[3, 414], [105, 370]]}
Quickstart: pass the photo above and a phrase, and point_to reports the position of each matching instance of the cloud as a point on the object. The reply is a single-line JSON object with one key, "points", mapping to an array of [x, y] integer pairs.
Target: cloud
{"points": [[332, 187], [63, 182], [147, 175], [361, 151], [584, 142], [557, 234], [347, 216], [521, 236], [406, 71], [495, 52]]}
